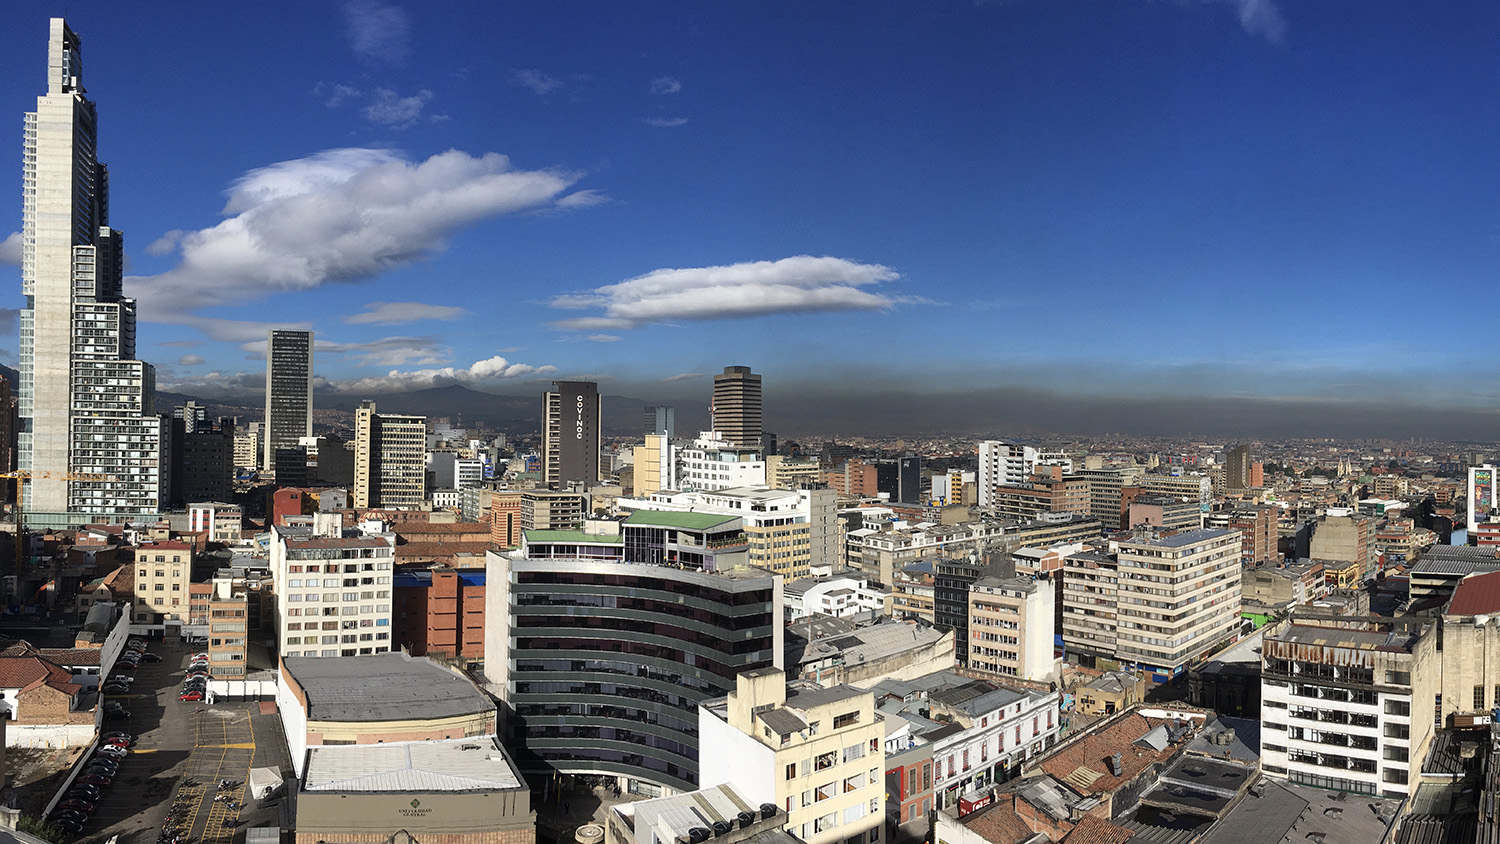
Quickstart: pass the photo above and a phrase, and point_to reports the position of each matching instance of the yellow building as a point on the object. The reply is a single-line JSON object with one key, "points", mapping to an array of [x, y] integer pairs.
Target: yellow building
{"points": [[163, 571], [817, 754]]}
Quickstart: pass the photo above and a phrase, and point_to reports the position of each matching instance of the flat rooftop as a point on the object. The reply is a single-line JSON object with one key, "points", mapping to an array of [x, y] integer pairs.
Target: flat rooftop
{"points": [[1339, 637], [471, 764], [383, 687]]}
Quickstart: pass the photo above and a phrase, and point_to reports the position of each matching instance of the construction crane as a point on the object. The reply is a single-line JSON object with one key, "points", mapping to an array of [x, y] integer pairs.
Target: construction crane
{"points": [[27, 474]]}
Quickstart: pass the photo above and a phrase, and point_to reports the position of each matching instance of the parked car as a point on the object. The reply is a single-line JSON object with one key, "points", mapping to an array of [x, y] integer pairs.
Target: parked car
{"points": [[68, 825], [85, 792], [69, 814], [151, 658], [80, 805], [118, 734], [191, 695], [116, 715], [113, 751]]}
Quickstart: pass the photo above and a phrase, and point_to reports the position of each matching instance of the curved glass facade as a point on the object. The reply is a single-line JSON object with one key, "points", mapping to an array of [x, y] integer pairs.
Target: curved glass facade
{"points": [[607, 662]]}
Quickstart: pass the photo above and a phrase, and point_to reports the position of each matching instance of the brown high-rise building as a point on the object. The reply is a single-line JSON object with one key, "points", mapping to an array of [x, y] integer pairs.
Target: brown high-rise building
{"points": [[571, 434], [736, 410], [1237, 469]]}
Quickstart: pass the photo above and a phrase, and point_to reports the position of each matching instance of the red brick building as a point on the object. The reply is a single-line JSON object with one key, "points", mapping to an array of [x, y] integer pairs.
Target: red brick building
{"points": [[440, 612]]}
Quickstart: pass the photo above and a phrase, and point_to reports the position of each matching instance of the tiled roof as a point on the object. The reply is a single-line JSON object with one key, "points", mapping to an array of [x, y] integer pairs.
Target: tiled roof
{"points": [[1084, 763], [442, 549], [1476, 594], [1092, 830], [999, 825], [30, 672]]}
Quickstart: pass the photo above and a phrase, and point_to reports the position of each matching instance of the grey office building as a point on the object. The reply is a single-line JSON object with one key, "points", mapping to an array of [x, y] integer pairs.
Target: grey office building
{"points": [[289, 374], [602, 665]]}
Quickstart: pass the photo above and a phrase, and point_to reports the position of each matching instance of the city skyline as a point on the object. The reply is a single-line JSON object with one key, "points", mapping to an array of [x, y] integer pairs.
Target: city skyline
{"points": [[1223, 211]]}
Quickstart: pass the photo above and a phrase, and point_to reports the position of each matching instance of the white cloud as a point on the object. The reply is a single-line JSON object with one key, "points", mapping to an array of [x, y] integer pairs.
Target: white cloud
{"points": [[389, 109], [665, 122], [343, 215], [802, 284], [378, 30], [1258, 17], [165, 244], [604, 338], [388, 351], [666, 85], [685, 376], [191, 360], [336, 95], [538, 82], [398, 313], [10, 250], [485, 372]]}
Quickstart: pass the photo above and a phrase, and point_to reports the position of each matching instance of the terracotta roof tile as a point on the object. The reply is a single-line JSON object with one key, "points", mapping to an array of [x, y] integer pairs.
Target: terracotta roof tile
{"points": [[1077, 763], [1092, 830], [998, 825], [30, 672]]}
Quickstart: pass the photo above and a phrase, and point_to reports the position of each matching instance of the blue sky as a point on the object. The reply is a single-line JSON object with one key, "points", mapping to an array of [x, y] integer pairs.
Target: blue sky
{"points": [[1220, 198]]}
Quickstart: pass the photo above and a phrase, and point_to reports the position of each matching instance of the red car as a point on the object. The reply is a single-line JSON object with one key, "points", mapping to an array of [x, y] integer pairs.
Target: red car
{"points": [[81, 805], [94, 779], [190, 696]]}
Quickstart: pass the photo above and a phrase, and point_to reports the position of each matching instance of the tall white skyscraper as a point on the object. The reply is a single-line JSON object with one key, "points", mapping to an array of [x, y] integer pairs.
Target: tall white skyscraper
{"points": [[84, 401]]}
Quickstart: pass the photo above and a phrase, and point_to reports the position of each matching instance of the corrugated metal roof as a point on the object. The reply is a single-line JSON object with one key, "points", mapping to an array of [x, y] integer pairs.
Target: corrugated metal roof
{"points": [[475, 764], [673, 518], [1477, 594]]}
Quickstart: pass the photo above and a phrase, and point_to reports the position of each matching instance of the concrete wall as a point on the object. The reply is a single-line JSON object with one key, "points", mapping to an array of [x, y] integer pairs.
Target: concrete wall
{"points": [[484, 817], [736, 759]]}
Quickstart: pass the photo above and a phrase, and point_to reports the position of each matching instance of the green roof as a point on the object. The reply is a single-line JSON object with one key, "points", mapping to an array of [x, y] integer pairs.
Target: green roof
{"points": [[672, 518], [577, 536]]}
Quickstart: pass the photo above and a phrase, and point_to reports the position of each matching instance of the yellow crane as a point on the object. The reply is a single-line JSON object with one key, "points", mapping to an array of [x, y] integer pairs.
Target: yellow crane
{"points": [[27, 474]]}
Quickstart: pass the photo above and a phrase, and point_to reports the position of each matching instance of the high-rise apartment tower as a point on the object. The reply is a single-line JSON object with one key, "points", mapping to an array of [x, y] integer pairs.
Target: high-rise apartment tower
{"points": [[736, 410], [570, 433], [84, 401], [390, 466], [289, 374]]}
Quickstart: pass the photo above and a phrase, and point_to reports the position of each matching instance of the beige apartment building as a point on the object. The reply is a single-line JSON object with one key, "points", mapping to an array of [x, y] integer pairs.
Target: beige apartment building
{"points": [[1010, 627], [817, 754], [1091, 597], [163, 571], [1179, 596], [784, 472]]}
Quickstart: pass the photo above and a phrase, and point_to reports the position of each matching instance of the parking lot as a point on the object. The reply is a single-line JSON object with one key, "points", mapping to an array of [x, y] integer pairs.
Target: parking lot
{"points": [[180, 743]]}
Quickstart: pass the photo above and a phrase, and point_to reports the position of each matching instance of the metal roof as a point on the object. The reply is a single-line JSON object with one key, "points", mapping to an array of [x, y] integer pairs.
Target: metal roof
{"points": [[471, 764]]}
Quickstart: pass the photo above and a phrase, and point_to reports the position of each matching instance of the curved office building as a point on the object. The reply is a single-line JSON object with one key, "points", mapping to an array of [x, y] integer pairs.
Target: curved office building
{"points": [[603, 664]]}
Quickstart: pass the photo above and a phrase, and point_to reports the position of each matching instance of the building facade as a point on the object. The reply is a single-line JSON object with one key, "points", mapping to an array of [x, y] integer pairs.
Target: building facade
{"points": [[1348, 705], [817, 754], [390, 460], [571, 434], [602, 665], [1179, 597], [289, 380], [737, 406], [84, 404], [1010, 627], [333, 592]]}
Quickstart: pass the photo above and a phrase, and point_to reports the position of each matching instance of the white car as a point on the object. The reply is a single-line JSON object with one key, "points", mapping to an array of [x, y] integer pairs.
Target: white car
{"points": [[121, 678]]}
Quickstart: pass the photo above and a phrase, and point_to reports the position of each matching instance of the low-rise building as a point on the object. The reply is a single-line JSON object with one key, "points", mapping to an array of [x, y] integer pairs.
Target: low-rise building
{"points": [[981, 733], [162, 573], [866, 655], [376, 699], [440, 612], [817, 754], [719, 812], [457, 791], [838, 596]]}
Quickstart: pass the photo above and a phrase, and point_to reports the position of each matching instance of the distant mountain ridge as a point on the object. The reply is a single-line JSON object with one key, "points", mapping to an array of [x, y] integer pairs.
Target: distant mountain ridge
{"points": [[622, 415]]}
